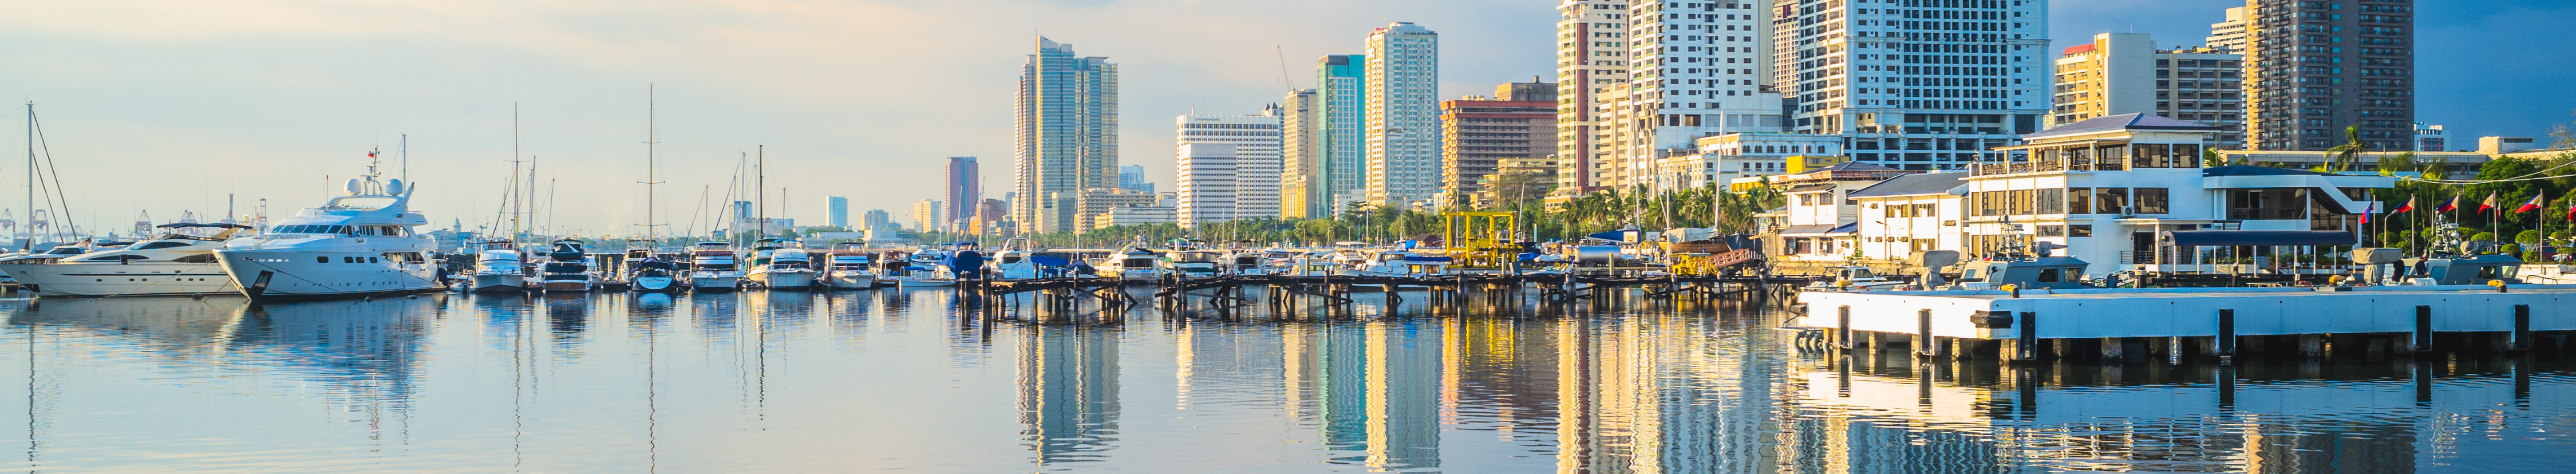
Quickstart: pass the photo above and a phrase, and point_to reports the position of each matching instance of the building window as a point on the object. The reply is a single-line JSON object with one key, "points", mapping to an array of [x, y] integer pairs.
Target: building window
{"points": [[2110, 200], [2153, 201], [2079, 230], [2079, 200], [2267, 203]]}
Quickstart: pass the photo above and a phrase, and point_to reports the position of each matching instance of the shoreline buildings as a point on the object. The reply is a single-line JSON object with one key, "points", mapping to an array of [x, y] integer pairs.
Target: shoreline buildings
{"points": [[1916, 87], [1641, 81], [1322, 158], [2124, 73], [1480, 135], [1227, 167], [1400, 107], [836, 211], [2314, 68], [965, 189], [1067, 134]]}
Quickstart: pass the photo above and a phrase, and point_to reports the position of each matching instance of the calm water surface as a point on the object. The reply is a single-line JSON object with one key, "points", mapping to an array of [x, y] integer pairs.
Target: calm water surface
{"points": [[897, 380]]}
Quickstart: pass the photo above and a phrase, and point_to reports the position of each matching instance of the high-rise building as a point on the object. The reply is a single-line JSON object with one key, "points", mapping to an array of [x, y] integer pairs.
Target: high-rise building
{"points": [[1132, 178], [927, 215], [1913, 85], [965, 188], [1321, 157], [1401, 112], [1658, 75], [1478, 134], [2124, 73], [1206, 182], [836, 212], [2228, 36], [1301, 173], [2313, 68], [1239, 180], [876, 219], [1591, 55], [1067, 134]]}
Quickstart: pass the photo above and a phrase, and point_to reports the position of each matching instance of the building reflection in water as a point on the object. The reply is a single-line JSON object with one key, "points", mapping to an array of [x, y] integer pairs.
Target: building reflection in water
{"points": [[1068, 391]]}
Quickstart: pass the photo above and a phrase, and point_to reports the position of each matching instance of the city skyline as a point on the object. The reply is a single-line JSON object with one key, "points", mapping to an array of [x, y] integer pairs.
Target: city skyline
{"points": [[578, 116]]}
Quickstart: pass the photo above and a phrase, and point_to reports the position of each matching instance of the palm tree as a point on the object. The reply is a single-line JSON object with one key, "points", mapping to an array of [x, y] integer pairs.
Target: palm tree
{"points": [[2344, 157]]}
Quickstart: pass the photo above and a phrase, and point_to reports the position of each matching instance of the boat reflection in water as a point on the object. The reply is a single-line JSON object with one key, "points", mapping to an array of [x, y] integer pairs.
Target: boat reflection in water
{"points": [[919, 379]]}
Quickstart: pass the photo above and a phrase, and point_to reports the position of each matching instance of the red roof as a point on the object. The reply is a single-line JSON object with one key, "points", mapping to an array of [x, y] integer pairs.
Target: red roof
{"points": [[2078, 49]]}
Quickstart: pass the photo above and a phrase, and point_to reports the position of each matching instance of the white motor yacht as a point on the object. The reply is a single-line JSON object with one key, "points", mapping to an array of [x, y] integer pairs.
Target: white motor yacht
{"points": [[922, 268], [1192, 263], [849, 268], [1399, 262], [179, 262], [358, 244], [712, 268], [499, 268], [1136, 265], [782, 264]]}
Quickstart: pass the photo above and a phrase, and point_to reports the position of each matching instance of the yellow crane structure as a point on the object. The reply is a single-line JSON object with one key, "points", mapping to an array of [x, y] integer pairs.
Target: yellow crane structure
{"points": [[1480, 239]]}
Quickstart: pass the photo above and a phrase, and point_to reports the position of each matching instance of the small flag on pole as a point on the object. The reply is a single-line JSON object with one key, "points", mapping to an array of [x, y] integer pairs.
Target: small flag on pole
{"points": [[2453, 205], [2528, 206], [2366, 212], [2489, 204], [2410, 207]]}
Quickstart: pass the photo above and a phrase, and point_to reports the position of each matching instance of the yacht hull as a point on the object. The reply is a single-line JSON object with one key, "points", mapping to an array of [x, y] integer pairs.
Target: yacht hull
{"points": [[851, 281], [655, 284], [292, 274], [134, 279], [566, 286], [499, 283], [715, 283], [785, 280]]}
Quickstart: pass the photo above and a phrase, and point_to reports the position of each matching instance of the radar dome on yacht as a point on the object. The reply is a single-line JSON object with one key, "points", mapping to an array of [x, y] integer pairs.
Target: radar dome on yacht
{"points": [[394, 187], [353, 186]]}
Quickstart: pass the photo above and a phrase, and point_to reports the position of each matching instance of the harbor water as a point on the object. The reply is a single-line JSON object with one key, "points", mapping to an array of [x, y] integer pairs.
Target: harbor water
{"points": [[910, 380]]}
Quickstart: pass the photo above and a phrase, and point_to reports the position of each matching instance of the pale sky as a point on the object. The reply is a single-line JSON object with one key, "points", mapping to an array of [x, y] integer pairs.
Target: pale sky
{"points": [[166, 105]]}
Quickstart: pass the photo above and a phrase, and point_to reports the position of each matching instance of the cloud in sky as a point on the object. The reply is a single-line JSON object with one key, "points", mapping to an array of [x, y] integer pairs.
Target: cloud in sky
{"points": [[169, 105]]}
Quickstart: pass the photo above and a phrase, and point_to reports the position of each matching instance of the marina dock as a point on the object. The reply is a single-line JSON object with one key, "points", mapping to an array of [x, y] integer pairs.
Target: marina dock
{"points": [[2185, 324]]}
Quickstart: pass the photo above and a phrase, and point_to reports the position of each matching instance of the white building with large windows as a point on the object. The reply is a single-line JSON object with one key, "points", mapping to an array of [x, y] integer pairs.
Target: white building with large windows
{"points": [[1915, 84], [1239, 180], [1659, 75], [2123, 192]]}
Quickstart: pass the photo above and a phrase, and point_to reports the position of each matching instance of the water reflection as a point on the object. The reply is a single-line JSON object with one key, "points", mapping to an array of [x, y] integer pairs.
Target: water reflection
{"points": [[795, 382]]}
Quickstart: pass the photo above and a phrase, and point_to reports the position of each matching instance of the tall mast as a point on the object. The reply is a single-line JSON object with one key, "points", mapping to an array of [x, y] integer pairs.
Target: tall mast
{"points": [[515, 197], [760, 184], [649, 180], [31, 176]]}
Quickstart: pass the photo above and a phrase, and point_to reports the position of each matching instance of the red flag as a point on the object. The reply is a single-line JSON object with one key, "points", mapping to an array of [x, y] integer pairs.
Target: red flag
{"points": [[2410, 207], [2453, 205], [2366, 212], [2571, 214], [2528, 206], [2489, 204]]}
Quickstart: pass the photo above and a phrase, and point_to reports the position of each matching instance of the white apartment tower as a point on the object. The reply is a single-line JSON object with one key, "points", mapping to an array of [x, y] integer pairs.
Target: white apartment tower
{"points": [[1228, 167], [1915, 84], [1401, 108], [1695, 69]]}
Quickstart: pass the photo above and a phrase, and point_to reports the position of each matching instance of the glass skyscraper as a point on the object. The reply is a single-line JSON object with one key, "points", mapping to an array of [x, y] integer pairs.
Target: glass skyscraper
{"points": [[1401, 106], [1067, 135]]}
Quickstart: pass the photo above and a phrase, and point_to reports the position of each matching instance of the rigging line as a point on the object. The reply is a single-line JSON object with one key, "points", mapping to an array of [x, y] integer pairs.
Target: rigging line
{"points": [[54, 173]]}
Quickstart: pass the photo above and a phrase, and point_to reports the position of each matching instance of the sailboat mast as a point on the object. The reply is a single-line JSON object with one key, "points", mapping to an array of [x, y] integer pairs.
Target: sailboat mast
{"points": [[514, 173], [31, 178], [760, 184], [649, 179]]}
